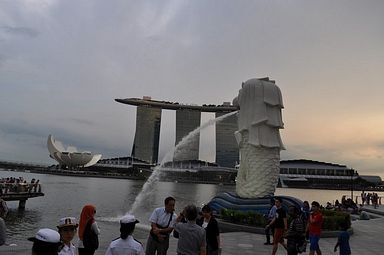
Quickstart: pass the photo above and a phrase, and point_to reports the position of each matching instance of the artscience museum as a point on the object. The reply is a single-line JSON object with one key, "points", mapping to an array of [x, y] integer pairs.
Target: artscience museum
{"points": [[70, 157]]}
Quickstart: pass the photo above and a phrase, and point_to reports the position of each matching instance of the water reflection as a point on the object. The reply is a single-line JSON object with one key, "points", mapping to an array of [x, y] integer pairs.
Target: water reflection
{"points": [[20, 221], [66, 195]]}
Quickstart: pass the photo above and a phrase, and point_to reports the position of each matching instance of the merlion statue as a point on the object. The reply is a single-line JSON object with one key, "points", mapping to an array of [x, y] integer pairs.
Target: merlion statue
{"points": [[259, 120]]}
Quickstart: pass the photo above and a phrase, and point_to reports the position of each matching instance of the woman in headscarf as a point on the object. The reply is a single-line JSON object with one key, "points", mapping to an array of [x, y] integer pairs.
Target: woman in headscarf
{"points": [[88, 231]]}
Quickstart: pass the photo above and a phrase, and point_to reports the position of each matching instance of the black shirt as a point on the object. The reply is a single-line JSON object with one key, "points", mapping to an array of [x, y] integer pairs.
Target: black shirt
{"points": [[280, 215]]}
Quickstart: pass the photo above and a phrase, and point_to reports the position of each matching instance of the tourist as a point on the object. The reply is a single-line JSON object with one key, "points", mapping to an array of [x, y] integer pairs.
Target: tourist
{"points": [[314, 226], [363, 197], [126, 244], [280, 223], [209, 223], [45, 242], [3, 208], [375, 199], [3, 235], [3, 214], [162, 222], [67, 229], [305, 211], [270, 228], [192, 237], [88, 231], [343, 240], [296, 232], [337, 204]]}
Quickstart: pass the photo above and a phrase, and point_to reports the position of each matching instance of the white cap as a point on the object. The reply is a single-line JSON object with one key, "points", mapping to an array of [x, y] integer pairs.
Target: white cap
{"points": [[67, 222], [46, 235], [128, 218]]}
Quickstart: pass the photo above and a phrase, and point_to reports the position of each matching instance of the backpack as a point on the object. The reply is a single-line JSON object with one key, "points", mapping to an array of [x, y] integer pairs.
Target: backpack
{"points": [[90, 238]]}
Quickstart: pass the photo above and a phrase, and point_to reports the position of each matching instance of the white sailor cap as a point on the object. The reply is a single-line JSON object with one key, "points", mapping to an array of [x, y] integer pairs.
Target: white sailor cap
{"points": [[128, 218], [67, 222], [46, 235]]}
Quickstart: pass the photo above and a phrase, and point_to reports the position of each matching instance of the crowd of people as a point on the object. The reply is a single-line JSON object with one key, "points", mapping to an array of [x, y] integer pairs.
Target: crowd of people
{"points": [[196, 229], [305, 227], [370, 198], [16, 185], [347, 204]]}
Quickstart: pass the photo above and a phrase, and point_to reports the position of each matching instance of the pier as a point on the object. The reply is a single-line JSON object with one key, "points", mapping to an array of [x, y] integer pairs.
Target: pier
{"points": [[20, 192], [22, 197]]}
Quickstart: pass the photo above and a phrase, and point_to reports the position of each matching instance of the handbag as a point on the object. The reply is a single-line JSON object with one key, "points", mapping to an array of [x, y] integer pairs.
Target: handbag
{"points": [[301, 246], [176, 234], [90, 238], [154, 236]]}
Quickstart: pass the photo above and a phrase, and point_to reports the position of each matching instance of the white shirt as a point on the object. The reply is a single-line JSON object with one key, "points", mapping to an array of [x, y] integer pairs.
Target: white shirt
{"points": [[161, 217], [68, 250], [128, 246]]}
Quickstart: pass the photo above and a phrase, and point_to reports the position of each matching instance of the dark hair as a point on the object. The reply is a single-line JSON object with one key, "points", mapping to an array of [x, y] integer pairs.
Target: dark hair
{"points": [[126, 229], [344, 225], [278, 199], [206, 208], [191, 212], [296, 210], [168, 199], [315, 203], [45, 248]]}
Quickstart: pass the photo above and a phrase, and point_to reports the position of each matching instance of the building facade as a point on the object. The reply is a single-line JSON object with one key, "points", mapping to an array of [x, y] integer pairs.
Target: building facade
{"points": [[187, 121], [147, 136], [227, 150], [188, 118]]}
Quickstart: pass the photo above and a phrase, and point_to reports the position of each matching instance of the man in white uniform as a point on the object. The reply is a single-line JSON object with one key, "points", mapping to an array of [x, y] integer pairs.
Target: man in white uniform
{"points": [[126, 244]]}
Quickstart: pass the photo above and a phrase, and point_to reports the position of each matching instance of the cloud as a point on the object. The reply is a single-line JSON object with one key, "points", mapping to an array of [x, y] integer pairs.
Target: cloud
{"points": [[18, 31], [62, 64]]}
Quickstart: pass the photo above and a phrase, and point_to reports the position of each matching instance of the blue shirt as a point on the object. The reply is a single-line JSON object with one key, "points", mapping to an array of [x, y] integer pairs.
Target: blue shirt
{"points": [[161, 217], [272, 213], [343, 241]]}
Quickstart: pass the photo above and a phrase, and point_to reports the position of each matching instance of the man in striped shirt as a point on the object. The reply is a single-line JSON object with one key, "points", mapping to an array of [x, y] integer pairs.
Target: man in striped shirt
{"points": [[295, 234]]}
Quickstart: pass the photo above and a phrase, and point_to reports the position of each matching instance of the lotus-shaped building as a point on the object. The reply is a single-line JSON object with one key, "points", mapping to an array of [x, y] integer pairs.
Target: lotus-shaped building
{"points": [[70, 157]]}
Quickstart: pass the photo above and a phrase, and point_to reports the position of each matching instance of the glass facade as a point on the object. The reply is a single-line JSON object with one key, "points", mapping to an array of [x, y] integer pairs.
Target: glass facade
{"points": [[146, 143], [227, 150], [187, 121]]}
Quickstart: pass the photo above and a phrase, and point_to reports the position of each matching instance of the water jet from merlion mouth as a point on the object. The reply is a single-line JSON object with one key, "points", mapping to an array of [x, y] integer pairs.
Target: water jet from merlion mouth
{"points": [[154, 177]]}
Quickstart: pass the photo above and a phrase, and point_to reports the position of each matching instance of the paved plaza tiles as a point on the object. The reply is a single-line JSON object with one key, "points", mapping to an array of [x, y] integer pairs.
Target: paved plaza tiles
{"points": [[367, 239]]}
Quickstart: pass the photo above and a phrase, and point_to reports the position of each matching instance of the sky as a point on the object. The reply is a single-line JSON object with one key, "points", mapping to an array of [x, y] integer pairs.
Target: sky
{"points": [[62, 64]]}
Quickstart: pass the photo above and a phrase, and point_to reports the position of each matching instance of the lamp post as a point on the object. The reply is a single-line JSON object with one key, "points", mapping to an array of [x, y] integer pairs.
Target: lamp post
{"points": [[352, 173]]}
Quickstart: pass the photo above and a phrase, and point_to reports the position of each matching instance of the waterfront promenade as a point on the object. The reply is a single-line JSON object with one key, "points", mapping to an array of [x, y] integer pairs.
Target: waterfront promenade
{"points": [[366, 240]]}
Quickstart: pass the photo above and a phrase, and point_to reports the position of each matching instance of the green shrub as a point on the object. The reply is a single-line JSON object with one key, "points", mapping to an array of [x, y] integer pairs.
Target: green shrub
{"points": [[333, 219], [245, 218]]}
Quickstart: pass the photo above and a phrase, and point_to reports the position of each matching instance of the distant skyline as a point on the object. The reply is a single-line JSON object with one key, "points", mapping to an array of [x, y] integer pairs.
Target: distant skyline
{"points": [[62, 64]]}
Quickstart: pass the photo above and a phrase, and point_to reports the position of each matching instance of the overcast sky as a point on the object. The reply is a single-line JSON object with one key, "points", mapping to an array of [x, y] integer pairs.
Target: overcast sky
{"points": [[62, 64]]}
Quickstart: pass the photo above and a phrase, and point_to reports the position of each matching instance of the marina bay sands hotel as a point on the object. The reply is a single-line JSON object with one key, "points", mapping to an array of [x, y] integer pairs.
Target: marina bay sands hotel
{"points": [[188, 118]]}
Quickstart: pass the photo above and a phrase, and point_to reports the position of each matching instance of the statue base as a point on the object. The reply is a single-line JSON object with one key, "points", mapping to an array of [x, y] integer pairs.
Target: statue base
{"points": [[262, 205]]}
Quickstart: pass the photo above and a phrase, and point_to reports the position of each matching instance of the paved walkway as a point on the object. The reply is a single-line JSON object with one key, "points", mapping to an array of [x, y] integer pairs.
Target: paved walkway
{"points": [[366, 240]]}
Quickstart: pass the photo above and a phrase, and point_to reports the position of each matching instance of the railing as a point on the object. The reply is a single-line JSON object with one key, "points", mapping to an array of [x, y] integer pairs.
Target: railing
{"points": [[15, 188]]}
